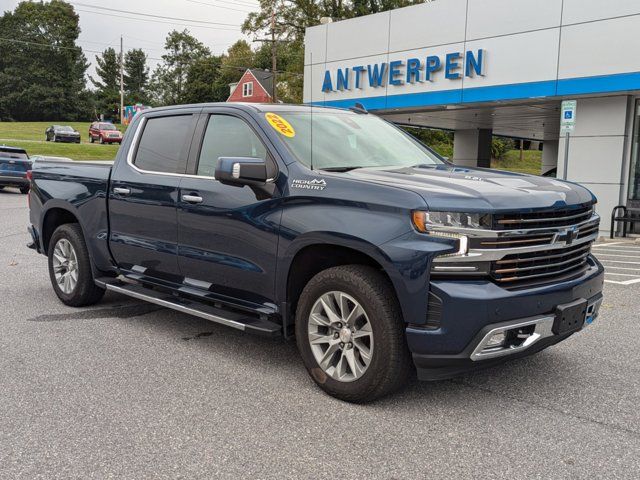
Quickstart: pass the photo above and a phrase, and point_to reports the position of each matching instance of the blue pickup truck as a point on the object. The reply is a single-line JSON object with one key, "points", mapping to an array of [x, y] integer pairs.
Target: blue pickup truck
{"points": [[329, 226]]}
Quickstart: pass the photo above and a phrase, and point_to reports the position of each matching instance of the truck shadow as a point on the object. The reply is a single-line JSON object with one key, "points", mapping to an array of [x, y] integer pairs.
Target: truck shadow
{"points": [[278, 358]]}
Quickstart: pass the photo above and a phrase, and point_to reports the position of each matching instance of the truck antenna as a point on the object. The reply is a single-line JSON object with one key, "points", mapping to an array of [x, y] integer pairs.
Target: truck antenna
{"points": [[311, 108]]}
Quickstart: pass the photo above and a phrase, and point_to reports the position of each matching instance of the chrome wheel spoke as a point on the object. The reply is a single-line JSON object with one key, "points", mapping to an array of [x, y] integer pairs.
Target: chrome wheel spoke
{"points": [[325, 361], [331, 314]]}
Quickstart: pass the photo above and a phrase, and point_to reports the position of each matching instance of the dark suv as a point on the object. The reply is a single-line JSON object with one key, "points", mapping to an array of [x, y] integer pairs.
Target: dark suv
{"points": [[104, 132], [14, 164]]}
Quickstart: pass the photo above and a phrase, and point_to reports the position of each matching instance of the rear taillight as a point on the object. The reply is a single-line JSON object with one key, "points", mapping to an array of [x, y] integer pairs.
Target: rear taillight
{"points": [[30, 178]]}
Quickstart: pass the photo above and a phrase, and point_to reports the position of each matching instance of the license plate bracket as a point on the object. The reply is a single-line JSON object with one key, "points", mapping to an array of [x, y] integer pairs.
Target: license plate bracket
{"points": [[570, 317]]}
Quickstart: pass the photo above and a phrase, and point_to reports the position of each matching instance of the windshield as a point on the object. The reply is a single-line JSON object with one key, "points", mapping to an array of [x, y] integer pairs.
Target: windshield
{"points": [[107, 126], [343, 141], [65, 129], [13, 155]]}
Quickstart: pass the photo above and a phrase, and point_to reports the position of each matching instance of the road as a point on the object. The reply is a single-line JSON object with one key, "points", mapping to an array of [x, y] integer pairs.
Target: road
{"points": [[127, 390]]}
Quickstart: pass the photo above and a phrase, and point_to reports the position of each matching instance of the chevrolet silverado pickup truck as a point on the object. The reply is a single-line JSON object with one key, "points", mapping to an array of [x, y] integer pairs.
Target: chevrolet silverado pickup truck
{"points": [[330, 226]]}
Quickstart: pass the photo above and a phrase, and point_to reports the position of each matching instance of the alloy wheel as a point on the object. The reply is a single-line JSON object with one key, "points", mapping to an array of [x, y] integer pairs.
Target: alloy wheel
{"points": [[340, 336], [65, 266]]}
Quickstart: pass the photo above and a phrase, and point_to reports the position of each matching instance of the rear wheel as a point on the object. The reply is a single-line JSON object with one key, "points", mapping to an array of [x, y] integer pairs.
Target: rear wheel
{"points": [[24, 190], [350, 333], [70, 267]]}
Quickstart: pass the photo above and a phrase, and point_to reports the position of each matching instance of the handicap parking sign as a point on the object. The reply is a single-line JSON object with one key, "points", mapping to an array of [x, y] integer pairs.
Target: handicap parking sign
{"points": [[568, 117]]}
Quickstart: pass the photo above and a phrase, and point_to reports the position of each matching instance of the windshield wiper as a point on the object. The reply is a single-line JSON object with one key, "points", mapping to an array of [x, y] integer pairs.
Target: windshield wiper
{"points": [[339, 169]]}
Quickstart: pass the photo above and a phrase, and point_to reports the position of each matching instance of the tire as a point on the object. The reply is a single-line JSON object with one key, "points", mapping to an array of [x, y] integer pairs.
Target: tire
{"points": [[390, 361], [54, 139], [101, 140], [91, 139], [85, 292], [24, 190]]}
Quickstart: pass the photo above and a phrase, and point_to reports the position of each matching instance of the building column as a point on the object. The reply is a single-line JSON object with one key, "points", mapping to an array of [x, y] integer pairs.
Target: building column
{"points": [[549, 155], [598, 149], [472, 148]]}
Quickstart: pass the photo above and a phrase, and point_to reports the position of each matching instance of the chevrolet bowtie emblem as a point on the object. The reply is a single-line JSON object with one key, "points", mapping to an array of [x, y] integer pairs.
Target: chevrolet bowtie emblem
{"points": [[570, 234]]}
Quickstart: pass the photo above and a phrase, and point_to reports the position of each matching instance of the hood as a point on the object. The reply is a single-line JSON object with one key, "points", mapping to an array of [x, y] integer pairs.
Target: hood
{"points": [[449, 187]]}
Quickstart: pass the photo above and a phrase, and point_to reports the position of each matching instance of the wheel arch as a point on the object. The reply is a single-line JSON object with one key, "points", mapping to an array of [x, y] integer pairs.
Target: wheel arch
{"points": [[309, 256], [52, 219]]}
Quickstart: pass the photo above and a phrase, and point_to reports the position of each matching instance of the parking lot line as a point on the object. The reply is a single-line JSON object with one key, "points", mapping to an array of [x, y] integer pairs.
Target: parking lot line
{"points": [[616, 270]]}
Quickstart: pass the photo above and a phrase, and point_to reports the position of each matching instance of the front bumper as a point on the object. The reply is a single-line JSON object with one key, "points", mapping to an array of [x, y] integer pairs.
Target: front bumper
{"points": [[471, 309], [13, 181], [112, 140], [70, 139]]}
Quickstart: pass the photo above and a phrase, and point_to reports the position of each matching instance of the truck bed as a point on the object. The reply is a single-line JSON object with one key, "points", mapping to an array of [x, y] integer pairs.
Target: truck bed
{"points": [[79, 188]]}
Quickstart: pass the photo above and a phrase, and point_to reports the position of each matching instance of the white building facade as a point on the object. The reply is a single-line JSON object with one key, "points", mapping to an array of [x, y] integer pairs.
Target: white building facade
{"points": [[498, 67]]}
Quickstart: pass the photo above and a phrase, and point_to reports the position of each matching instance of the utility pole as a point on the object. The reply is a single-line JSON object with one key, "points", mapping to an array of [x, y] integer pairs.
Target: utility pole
{"points": [[121, 82], [273, 52]]}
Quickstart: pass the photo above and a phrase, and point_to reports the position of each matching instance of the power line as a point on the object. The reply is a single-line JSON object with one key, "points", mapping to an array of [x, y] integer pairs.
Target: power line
{"points": [[157, 21], [220, 6], [154, 16]]}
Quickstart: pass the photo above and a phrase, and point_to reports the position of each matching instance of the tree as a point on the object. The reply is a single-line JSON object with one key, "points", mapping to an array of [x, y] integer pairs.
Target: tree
{"points": [[41, 67], [136, 76], [291, 18], [170, 77], [203, 82], [108, 82]]}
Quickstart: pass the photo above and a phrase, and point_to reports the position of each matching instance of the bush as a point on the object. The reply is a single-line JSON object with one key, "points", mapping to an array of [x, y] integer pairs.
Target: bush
{"points": [[500, 146]]}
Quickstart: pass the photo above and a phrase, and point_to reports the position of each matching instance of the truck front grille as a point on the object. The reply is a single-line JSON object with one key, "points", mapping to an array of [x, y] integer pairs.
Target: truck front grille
{"points": [[529, 239], [528, 268], [542, 219]]}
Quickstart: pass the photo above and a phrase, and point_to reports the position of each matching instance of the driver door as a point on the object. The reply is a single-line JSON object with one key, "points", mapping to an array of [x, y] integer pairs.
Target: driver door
{"points": [[227, 235]]}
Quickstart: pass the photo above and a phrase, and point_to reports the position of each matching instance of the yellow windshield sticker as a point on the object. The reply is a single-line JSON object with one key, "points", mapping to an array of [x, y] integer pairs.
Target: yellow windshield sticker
{"points": [[280, 124]]}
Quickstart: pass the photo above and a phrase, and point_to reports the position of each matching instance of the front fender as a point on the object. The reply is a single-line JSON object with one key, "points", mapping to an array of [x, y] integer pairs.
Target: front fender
{"points": [[406, 260]]}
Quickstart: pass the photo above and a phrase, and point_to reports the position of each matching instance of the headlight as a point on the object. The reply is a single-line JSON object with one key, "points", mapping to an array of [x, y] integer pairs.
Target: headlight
{"points": [[437, 224], [477, 221]]}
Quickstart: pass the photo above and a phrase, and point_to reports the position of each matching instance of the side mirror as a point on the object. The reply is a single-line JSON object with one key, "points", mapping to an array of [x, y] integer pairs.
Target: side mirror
{"points": [[241, 171]]}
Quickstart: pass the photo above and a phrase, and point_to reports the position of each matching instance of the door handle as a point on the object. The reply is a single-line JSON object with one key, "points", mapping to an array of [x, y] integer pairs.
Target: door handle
{"points": [[121, 191], [191, 199]]}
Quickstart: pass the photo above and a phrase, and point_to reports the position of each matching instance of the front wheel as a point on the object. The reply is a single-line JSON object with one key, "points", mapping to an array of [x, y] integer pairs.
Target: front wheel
{"points": [[101, 140], [350, 334], [70, 267], [91, 139]]}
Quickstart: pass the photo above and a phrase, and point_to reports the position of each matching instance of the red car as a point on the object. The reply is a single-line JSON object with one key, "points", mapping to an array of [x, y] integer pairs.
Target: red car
{"points": [[104, 132]]}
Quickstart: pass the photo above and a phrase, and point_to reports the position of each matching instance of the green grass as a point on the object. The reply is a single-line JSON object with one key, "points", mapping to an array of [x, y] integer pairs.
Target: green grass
{"points": [[30, 136], [531, 162]]}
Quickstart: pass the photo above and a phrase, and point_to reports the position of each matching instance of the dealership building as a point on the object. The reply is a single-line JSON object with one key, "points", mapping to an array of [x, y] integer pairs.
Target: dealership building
{"points": [[499, 67]]}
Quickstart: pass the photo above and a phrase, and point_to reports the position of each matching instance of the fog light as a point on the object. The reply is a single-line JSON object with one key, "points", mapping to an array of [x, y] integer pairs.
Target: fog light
{"points": [[496, 340]]}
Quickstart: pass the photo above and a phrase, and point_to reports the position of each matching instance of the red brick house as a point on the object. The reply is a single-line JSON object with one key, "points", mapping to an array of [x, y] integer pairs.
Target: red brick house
{"points": [[255, 86]]}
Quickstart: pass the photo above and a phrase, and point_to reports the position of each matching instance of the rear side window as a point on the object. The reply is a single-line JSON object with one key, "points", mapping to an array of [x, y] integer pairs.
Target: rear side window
{"points": [[228, 136], [163, 144]]}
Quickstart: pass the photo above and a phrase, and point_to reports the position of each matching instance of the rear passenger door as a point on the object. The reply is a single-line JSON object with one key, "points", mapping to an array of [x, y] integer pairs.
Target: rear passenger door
{"points": [[144, 193], [228, 235]]}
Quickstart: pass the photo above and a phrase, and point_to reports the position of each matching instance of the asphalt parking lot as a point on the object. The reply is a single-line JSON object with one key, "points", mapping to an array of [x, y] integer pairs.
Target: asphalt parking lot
{"points": [[128, 390]]}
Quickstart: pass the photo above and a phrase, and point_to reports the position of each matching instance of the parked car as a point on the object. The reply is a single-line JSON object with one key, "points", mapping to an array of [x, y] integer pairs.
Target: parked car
{"points": [[104, 132], [62, 133], [369, 249], [14, 165]]}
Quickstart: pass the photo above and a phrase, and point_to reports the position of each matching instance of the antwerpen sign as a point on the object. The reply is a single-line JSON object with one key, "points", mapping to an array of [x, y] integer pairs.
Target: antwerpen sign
{"points": [[451, 66]]}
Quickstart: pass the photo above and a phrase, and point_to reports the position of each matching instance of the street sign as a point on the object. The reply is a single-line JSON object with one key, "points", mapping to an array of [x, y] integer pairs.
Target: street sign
{"points": [[568, 116]]}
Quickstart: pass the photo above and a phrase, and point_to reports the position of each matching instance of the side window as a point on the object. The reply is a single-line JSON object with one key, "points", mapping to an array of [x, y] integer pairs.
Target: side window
{"points": [[162, 143], [227, 136]]}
